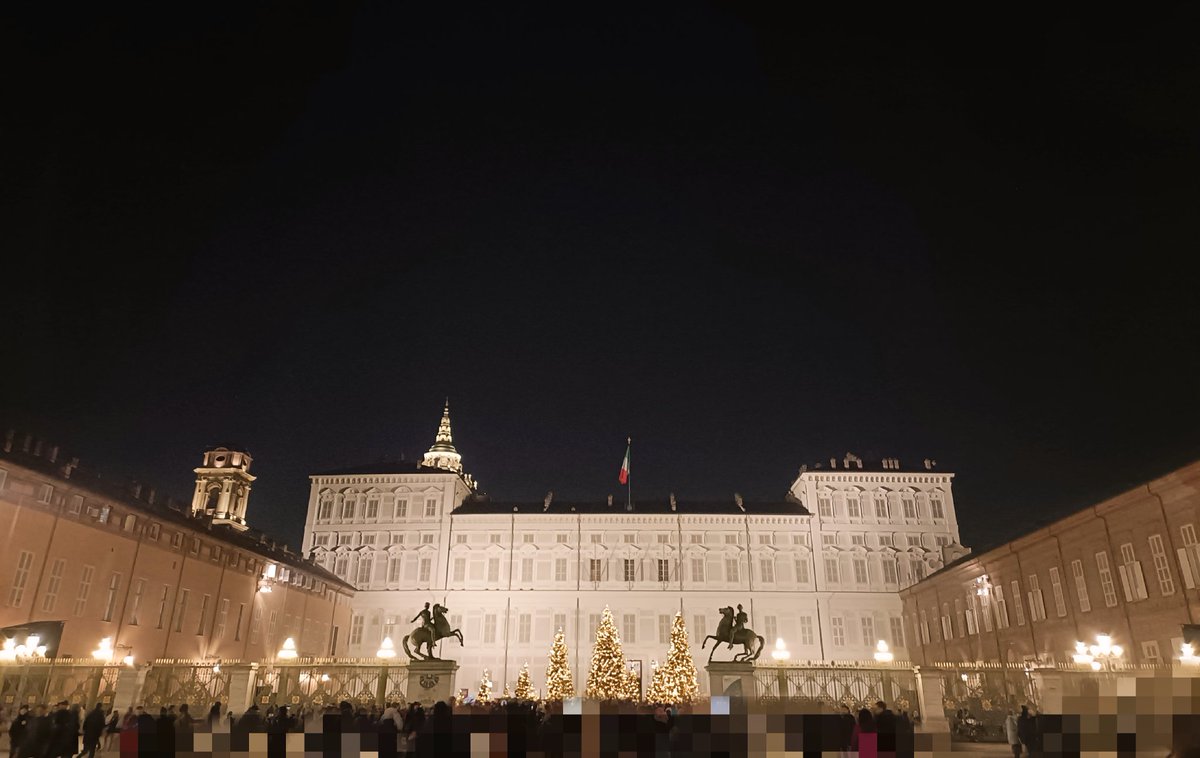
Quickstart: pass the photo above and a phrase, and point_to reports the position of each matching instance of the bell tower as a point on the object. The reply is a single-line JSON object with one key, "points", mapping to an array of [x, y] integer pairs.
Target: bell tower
{"points": [[223, 487]]}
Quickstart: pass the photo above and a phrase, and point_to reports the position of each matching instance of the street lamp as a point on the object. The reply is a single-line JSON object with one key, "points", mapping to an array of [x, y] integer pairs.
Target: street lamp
{"points": [[32, 649], [1104, 654], [1187, 654], [288, 651], [780, 653], [386, 649], [882, 654]]}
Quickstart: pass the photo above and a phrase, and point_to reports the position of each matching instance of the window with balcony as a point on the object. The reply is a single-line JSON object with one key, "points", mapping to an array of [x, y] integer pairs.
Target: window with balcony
{"points": [[664, 570], [595, 570], [766, 571], [630, 566]]}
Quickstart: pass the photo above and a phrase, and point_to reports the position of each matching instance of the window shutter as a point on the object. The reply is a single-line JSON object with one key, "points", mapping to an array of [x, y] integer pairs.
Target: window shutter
{"points": [[1125, 582], [1140, 580], [1185, 569]]}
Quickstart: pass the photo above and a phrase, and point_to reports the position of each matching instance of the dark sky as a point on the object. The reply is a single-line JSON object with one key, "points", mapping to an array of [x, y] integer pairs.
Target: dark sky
{"points": [[748, 240]]}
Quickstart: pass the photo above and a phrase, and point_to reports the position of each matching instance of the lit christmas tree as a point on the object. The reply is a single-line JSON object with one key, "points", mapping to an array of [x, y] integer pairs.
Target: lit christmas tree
{"points": [[607, 679], [559, 684], [506, 696], [485, 688], [523, 690], [675, 680], [633, 686]]}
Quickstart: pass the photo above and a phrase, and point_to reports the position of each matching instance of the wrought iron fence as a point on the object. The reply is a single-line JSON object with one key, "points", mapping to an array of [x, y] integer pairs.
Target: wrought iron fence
{"points": [[85, 683], [818, 687], [171, 681], [317, 682], [987, 690]]}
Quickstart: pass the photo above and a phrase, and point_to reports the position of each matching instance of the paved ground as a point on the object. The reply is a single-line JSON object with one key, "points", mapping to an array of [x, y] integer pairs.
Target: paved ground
{"points": [[982, 748]]}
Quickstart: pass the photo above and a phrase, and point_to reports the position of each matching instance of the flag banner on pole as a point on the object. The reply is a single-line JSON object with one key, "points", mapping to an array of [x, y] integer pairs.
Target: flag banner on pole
{"points": [[623, 477]]}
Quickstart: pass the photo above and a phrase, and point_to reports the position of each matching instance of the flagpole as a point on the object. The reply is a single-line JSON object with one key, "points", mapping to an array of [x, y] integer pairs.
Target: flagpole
{"points": [[629, 476]]}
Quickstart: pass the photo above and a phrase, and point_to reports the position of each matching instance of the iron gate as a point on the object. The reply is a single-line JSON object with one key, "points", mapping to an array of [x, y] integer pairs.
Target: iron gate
{"points": [[51, 682], [318, 682]]}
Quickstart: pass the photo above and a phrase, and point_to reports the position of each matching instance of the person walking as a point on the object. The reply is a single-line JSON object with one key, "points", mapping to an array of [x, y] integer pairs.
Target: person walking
{"points": [[185, 726], [1026, 729], [214, 716], [64, 732], [16, 730], [36, 740], [864, 739], [1012, 733], [93, 729], [112, 729]]}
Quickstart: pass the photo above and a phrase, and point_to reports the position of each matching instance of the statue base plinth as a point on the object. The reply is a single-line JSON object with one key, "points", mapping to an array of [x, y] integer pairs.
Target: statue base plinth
{"points": [[732, 679], [431, 681]]}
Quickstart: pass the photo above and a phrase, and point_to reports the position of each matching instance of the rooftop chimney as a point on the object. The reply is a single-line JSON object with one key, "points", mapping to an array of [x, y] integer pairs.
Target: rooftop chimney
{"points": [[833, 463], [53, 455], [28, 441], [37, 448], [737, 498], [8, 440], [546, 502], [69, 466], [610, 501], [672, 502]]}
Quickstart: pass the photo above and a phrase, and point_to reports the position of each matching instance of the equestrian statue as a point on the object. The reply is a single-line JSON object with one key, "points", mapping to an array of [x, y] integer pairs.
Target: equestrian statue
{"points": [[433, 627], [733, 631]]}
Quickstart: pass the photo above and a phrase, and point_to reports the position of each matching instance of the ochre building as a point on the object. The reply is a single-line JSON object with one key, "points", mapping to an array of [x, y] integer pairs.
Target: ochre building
{"points": [[159, 581], [1128, 567]]}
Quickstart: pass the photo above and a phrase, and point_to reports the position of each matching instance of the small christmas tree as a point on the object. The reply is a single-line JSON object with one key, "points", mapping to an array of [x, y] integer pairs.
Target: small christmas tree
{"points": [[559, 684], [523, 690], [506, 696], [607, 679], [675, 680], [485, 689], [633, 686]]}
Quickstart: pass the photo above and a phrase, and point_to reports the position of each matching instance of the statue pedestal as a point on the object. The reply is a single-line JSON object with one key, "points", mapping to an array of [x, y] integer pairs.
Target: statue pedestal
{"points": [[431, 681], [735, 680]]}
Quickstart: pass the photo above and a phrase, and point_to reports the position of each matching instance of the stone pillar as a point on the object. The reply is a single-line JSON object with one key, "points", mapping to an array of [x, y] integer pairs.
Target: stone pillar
{"points": [[735, 680], [1049, 687], [241, 687], [431, 681], [128, 691], [933, 716]]}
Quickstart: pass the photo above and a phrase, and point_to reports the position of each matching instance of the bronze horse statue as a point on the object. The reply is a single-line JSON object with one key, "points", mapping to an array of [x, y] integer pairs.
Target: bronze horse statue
{"points": [[742, 637], [428, 634]]}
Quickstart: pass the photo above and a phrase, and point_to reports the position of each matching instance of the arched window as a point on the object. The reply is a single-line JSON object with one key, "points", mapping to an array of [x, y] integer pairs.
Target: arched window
{"points": [[325, 509], [909, 503], [348, 507], [853, 505], [936, 508], [881, 506]]}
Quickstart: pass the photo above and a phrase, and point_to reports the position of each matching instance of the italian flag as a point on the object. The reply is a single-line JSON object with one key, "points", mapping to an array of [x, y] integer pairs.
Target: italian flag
{"points": [[623, 477]]}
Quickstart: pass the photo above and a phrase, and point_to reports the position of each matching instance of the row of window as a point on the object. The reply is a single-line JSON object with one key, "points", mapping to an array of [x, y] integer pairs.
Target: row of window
{"points": [[348, 508], [627, 626], [913, 506], [147, 604], [994, 605], [333, 539], [838, 570]]}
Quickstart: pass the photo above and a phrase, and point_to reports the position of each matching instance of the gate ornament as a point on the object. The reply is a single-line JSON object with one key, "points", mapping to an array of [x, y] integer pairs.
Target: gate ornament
{"points": [[733, 631], [433, 627]]}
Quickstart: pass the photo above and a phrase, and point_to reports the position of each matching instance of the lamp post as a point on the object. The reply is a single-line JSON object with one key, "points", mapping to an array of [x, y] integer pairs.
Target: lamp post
{"points": [[882, 653], [1103, 655], [1187, 654]]}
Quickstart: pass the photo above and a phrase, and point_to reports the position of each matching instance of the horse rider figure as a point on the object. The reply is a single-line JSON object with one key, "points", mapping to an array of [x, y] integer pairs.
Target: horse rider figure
{"points": [[441, 627], [426, 620], [739, 623]]}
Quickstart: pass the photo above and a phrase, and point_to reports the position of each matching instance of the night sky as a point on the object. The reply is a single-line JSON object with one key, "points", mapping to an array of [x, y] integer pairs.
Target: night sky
{"points": [[749, 240]]}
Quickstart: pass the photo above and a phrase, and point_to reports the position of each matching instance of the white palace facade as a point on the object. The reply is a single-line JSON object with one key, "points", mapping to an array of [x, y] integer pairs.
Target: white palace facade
{"points": [[820, 568]]}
